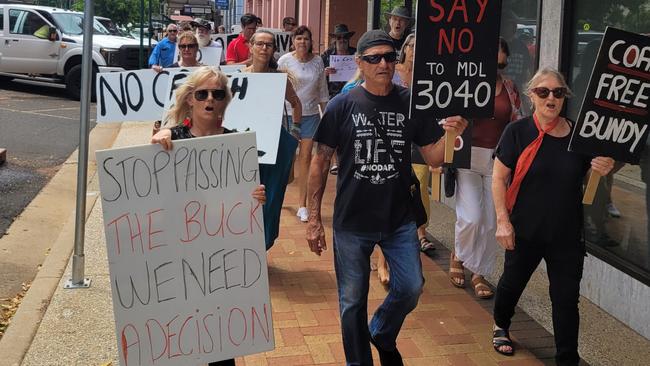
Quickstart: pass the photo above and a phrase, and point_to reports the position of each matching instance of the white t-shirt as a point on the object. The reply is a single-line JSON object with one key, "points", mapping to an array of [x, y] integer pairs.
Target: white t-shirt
{"points": [[309, 82]]}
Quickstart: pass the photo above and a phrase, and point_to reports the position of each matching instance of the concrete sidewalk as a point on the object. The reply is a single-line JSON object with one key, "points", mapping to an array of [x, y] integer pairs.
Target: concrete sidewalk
{"points": [[449, 326]]}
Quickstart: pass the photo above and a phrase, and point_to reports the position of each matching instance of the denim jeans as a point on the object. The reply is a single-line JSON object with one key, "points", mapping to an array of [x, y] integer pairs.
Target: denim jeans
{"points": [[352, 264]]}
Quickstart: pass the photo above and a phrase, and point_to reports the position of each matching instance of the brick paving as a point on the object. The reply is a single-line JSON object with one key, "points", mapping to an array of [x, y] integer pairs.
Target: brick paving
{"points": [[449, 326]]}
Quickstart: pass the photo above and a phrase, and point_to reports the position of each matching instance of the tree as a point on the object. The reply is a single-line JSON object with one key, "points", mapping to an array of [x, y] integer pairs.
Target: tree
{"points": [[121, 11]]}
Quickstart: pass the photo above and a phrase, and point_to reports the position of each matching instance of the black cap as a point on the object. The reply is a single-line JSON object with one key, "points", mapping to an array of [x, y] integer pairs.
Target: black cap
{"points": [[201, 23], [373, 38]]}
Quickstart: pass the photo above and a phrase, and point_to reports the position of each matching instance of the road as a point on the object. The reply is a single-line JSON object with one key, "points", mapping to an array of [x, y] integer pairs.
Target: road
{"points": [[39, 127]]}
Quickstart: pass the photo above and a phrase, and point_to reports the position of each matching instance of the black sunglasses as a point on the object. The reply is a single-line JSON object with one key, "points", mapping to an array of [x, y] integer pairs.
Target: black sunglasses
{"points": [[172, 31], [190, 46], [217, 94], [543, 92], [375, 59]]}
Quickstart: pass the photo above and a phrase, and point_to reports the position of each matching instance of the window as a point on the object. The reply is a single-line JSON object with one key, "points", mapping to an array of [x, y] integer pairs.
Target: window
{"points": [[27, 23], [621, 241], [519, 28], [2, 20]]}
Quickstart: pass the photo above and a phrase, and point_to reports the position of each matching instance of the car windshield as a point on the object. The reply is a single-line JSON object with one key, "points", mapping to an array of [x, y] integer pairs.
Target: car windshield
{"points": [[72, 23]]}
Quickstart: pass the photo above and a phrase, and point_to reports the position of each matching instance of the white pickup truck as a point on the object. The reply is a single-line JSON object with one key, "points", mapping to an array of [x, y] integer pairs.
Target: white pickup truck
{"points": [[45, 44]]}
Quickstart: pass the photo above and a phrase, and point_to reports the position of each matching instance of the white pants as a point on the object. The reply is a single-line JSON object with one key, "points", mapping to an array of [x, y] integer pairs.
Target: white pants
{"points": [[475, 243]]}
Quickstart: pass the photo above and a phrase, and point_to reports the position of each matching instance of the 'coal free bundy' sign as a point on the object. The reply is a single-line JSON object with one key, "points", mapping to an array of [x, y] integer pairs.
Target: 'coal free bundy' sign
{"points": [[186, 253], [455, 58], [613, 120]]}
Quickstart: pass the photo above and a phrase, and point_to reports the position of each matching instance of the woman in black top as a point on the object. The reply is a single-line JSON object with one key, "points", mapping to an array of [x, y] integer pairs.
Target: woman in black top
{"points": [[200, 106], [539, 213]]}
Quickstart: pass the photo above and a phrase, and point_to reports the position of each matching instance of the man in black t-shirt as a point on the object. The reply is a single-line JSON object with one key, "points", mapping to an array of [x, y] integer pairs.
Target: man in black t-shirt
{"points": [[371, 204]]}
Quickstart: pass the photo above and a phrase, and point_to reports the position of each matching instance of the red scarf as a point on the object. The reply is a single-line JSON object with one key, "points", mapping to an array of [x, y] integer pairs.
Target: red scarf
{"points": [[526, 160]]}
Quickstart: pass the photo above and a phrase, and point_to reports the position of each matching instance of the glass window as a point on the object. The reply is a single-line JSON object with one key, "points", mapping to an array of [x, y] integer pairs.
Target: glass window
{"points": [[519, 29], [617, 222], [2, 20], [27, 23]]}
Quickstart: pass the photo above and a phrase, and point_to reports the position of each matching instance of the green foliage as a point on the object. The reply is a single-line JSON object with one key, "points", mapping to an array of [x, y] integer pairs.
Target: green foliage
{"points": [[121, 11]]}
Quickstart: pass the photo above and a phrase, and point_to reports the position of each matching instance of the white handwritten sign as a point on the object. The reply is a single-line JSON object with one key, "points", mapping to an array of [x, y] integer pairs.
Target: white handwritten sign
{"points": [[137, 95], [209, 56], [257, 105], [345, 67], [185, 242]]}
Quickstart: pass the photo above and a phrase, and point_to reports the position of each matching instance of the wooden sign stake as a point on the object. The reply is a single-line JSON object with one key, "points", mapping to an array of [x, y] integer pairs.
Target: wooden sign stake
{"points": [[450, 142], [590, 191]]}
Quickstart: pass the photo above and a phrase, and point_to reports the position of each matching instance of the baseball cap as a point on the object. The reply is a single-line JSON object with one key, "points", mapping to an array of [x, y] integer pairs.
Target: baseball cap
{"points": [[373, 38]]}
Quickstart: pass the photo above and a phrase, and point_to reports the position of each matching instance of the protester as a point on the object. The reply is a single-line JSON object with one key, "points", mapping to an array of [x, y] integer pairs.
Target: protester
{"points": [[221, 29], [188, 47], [201, 104], [539, 214], [370, 206], [475, 246], [339, 46], [289, 24], [399, 23], [203, 28], [310, 85], [356, 80], [163, 54], [520, 64], [274, 176], [239, 48]]}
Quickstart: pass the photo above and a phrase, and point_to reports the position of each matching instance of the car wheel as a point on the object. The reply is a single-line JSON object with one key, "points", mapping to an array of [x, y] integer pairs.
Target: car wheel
{"points": [[73, 83]]}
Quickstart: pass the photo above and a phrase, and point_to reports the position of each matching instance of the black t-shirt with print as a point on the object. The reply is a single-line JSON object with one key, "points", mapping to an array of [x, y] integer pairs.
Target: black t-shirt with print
{"points": [[183, 132], [549, 202], [371, 197]]}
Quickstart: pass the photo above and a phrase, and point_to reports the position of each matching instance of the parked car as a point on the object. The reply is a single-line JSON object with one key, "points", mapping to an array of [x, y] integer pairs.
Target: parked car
{"points": [[46, 44]]}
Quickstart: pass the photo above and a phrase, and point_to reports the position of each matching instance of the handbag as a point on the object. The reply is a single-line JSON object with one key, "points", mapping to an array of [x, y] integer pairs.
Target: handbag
{"points": [[410, 181], [450, 180]]}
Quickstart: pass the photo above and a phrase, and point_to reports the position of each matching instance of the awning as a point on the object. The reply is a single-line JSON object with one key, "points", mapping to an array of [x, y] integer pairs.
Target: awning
{"points": [[181, 18]]}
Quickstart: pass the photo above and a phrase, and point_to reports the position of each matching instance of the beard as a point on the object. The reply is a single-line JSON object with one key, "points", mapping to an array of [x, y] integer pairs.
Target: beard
{"points": [[204, 40]]}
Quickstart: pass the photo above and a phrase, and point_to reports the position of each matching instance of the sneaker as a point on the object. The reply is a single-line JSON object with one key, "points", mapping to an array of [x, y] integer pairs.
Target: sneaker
{"points": [[613, 211], [303, 214], [388, 358]]}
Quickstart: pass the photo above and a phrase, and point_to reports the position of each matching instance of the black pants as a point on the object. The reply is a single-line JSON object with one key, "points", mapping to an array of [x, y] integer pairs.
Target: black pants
{"points": [[564, 262], [230, 362]]}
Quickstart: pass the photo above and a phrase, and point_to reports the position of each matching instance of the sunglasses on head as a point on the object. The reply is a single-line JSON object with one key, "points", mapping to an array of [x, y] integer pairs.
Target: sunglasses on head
{"points": [[543, 92], [375, 59], [190, 46], [217, 94]]}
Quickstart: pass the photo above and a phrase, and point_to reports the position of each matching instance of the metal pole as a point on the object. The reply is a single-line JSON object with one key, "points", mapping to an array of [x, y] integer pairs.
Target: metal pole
{"points": [[141, 53], [150, 25], [78, 280]]}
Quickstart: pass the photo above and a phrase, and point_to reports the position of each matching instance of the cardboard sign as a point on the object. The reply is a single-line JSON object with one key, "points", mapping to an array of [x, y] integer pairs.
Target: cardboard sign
{"points": [[208, 56], [137, 95], [345, 67], [283, 41], [257, 105], [185, 243], [613, 119], [455, 64]]}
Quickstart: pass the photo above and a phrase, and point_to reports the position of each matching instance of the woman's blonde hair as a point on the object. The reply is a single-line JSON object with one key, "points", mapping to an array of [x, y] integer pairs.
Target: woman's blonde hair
{"points": [[544, 72], [187, 35], [181, 108]]}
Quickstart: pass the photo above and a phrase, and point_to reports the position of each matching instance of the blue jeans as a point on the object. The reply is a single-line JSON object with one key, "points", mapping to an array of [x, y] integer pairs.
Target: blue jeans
{"points": [[352, 264]]}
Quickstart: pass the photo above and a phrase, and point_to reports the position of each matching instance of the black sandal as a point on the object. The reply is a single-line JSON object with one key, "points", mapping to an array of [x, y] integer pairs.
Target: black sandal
{"points": [[498, 341], [426, 244]]}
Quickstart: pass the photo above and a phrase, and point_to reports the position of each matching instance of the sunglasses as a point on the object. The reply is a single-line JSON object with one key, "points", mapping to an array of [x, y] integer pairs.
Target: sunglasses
{"points": [[190, 46], [217, 94], [172, 31], [543, 92], [375, 59]]}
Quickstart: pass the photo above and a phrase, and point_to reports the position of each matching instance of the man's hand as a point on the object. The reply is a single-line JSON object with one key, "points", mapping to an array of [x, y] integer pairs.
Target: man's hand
{"points": [[455, 125], [602, 165], [316, 235], [329, 71], [505, 234]]}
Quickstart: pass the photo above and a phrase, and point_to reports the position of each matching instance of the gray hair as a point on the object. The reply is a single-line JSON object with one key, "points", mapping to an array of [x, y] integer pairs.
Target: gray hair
{"points": [[402, 55], [544, 72]]}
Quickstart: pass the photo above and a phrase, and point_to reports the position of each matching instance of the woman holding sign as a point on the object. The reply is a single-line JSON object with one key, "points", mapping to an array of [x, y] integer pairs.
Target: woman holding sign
{"points": [[201, 104], [539, 213], [308, 72], [188, 46], [475, 247], [275, 177]]}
